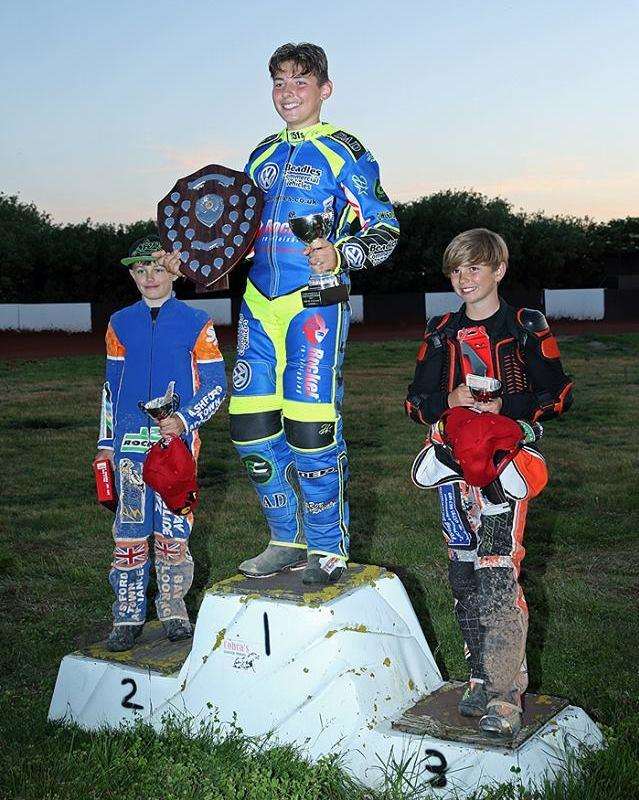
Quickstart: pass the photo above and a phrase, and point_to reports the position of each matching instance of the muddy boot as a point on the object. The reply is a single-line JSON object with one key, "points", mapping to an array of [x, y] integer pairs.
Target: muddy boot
{"points": [[177, 629], [276, 558], [501, 721], [123, 637], [474, 700], [322, 570]]}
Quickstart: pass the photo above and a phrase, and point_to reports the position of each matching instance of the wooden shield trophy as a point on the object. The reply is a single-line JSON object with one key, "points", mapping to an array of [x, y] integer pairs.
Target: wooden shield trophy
{"points": [[211, 217]]}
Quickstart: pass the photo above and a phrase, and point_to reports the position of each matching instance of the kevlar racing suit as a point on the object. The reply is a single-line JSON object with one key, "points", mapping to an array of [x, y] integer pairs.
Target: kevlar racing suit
{"points": [[287, 382], [146, 349], [484, 528]]}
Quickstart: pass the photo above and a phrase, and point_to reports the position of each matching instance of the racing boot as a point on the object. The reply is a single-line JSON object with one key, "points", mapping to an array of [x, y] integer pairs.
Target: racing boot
{"points": [[474, 700], [501, 721], [322, 570], [177, 629], [276, 558], [123, 637]]}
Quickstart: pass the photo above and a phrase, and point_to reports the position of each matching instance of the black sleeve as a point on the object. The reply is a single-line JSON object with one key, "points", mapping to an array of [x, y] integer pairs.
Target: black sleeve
{"points": [[426, 401]]}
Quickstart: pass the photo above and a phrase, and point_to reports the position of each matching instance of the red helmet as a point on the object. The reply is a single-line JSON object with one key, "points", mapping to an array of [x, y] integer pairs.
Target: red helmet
{"points": [[170, 470], [482, 443]]}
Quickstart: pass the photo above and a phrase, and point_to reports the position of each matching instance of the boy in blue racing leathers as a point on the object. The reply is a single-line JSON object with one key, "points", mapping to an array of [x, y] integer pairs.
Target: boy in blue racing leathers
{"points": [[287, 383], [155, 341]]}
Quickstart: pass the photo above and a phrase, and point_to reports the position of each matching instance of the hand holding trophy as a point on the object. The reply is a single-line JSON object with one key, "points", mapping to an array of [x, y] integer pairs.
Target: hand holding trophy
{"points": [[323, 289], [169, 467]]}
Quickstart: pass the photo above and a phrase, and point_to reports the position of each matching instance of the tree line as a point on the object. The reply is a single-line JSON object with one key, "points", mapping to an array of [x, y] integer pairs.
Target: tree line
{"points": [[46, 262]]}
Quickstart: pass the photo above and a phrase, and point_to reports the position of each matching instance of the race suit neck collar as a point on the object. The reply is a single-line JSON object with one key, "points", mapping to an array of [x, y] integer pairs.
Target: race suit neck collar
{"points": [[312, 132], [159, 302]]}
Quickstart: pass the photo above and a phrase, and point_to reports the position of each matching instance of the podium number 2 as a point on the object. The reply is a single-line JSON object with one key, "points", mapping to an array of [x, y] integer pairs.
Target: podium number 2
{"points": [[126, 700]]}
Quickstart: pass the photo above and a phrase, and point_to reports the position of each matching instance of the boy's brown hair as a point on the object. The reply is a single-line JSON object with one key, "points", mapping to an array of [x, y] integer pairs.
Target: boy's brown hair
{"points": [[476, 246], [310, 58]]}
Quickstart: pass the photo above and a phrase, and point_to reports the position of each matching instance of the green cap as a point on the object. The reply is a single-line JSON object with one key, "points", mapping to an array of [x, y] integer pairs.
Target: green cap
{"points": [[141, 250]]}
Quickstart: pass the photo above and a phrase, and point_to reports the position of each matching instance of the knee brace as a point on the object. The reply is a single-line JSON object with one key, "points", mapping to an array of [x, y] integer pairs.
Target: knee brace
{"points": [[170, 551], [253, 427], [129, 577], [309, 435]]}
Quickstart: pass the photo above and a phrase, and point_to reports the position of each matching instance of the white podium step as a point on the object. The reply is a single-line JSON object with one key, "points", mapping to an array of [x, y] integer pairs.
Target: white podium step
{"points": [[330, 670]]}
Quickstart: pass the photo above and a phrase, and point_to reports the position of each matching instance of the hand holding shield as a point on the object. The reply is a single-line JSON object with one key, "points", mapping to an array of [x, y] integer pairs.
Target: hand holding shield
{"points": [[210, 218]]}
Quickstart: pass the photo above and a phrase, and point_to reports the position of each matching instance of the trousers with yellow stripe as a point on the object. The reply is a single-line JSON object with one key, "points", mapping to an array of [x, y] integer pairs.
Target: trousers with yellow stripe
{"points": [[285, 417]]}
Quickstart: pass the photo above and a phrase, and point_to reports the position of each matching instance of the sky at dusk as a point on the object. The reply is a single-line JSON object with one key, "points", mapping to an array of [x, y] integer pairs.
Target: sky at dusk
{"points": [[106, 104]]}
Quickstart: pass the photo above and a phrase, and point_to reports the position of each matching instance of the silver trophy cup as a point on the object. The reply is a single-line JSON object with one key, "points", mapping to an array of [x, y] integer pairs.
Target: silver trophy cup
{"points": [[307, 229]]}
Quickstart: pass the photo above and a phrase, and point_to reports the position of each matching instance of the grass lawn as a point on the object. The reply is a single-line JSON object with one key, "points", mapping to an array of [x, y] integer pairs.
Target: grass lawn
{"points": [[581, 574]]}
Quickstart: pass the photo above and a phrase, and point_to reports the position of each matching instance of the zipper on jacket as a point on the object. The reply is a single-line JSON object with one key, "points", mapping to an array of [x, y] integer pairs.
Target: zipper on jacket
{"points": [[153, 321], [278, 203]]}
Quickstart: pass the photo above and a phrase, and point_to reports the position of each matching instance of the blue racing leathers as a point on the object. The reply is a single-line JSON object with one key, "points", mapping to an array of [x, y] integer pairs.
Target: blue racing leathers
{"points": [[146, 349], [287, 383]]}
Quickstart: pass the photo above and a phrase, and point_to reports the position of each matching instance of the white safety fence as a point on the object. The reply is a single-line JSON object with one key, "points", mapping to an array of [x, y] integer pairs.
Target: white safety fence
{"points": [[72, 317], [76, 317], [574, 304], [219, 309]]}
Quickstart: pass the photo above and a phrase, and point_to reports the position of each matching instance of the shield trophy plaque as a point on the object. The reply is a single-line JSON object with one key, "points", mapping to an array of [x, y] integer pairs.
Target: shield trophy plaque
{"points": [[211, 217]]}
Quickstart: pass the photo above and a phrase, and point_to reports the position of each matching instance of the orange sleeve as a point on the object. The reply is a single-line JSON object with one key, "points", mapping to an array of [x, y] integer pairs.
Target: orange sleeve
{"points": [[206, 347], [114, 347]]}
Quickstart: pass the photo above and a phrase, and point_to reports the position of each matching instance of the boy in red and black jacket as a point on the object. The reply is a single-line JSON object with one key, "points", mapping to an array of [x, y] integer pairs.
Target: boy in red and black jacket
{"points": [[484, 525]]}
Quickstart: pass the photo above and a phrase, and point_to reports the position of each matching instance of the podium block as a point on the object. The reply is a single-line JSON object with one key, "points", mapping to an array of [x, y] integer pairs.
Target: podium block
{"points": [[344, 669]]}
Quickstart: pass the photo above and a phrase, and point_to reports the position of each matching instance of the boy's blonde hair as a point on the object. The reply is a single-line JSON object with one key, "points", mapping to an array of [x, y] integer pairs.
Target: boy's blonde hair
{"points": [[477, 246]]}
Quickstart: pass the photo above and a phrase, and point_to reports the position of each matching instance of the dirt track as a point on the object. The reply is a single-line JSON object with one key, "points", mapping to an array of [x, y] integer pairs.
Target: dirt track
{"points": [[55, 343]]}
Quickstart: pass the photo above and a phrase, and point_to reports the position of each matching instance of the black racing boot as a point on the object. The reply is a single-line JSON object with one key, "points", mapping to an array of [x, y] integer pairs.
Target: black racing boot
{"points": [[276, 558], [123, 637], [322, 570], [473, 701], [177, 629]]}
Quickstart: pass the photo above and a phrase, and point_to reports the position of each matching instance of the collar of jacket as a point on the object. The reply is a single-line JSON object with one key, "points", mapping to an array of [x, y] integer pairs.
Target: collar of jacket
{"points": [[312, 132]]}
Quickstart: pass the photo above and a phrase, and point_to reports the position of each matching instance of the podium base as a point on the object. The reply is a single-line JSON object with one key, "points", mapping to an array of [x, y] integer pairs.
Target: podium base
{"points": [[343, 669]]}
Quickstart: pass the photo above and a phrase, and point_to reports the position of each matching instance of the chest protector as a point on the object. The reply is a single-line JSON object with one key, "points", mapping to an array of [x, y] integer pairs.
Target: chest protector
{"points": [[471, 350]]}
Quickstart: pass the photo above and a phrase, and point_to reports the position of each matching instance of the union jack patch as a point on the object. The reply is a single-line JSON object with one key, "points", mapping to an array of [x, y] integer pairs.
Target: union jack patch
{"points": [[129, 555], [172, 551]]}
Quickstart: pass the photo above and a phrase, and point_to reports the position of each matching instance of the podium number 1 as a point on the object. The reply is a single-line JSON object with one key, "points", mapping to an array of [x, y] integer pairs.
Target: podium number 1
{"points": [[126, 700]]}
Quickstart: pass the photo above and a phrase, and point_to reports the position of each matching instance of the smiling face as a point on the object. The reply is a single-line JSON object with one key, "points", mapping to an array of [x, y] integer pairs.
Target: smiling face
{"points": [[154, 283], [298, 97], [477, 285]]}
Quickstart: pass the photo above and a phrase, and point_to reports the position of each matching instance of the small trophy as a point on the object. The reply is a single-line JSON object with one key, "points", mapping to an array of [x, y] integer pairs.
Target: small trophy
{"points": [[323, 290], [482, 388], [162, 407]]}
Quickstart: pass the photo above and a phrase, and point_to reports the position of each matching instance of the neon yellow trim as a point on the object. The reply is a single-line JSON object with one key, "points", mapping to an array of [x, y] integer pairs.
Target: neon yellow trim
{"points": [[309, 412], [335, 162], [269, 151], [254, 403], [256, 441], [298, 545], [318, 129], [286, 306]]}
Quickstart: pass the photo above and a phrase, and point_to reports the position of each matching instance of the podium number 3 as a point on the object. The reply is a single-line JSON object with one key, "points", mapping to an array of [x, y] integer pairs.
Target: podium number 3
{"points": [[126, 700]]}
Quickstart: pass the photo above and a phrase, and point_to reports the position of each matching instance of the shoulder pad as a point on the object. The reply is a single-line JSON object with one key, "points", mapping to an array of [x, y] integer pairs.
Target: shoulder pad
{"points": [[269, 139], [531, 320], [436, 323], [350, 142], [273, 137]]}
